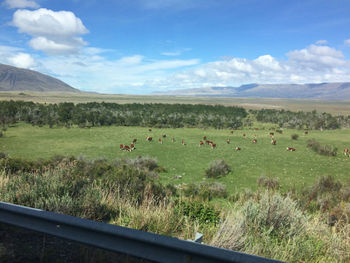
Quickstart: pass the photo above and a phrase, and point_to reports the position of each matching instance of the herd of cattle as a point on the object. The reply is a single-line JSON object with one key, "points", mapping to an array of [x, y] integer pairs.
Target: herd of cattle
{"points": [[211, 144]]}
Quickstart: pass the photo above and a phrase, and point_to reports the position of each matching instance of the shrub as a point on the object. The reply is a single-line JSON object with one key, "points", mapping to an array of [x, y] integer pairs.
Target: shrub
{"points": [[206, 191], [294, 136], [327, 150], [217, 168], [1, 134], [268, 183]]}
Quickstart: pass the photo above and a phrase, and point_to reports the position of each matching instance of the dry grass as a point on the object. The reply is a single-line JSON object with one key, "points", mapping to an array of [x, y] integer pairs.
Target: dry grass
{"points": [[332, 106]]}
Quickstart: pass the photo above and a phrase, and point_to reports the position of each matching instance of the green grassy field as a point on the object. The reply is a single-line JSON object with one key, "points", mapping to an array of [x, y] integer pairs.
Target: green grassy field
{"points": [[336, 107], [293, 169]]}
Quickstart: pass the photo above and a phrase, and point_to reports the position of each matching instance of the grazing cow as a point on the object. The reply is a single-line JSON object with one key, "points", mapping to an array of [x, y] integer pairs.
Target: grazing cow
{"points": [[148, 138], [254, 141], [183, 142], [238, 148], [121, 147], [127, 148], [160, 140], [204, 138], [207, 142], [149, 130], [213, 145], [273, 142], [173, 139], [164, 135], [256, 129], [231, 132], [244, 134], [291, 149], [134, 140], [346, 152], [228, 141], [132, 147], [201, 143], [306, 133]]}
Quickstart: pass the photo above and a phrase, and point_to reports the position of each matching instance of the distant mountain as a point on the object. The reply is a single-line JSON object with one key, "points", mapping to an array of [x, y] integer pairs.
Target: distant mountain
{"points": [[19, 79], [338, 90]]}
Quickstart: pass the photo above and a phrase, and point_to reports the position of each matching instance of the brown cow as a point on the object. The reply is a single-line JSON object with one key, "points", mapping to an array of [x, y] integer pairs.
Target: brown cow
{"points": [[201, 143], [231, 132], [346, 152], [244, 134], [213, 145], [291, 149], [134, 140], [306, 133], [238, 148], [164, 135], [208, 142], [148, 138], [273, 142], [228, 141], [254, 141], [121, 147], [173, 139], [183, 142], [149, 130], [127, 148], [132, 147], [160, 140], [204, 138]]}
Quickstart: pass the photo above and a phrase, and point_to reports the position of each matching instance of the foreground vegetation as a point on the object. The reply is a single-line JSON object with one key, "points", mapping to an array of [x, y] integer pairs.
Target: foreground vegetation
{"points": [[308, 226]]}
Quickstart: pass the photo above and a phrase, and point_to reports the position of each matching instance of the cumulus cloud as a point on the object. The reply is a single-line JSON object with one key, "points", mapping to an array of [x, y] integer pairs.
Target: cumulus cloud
{"points": [[52, 32], [312, 64], [22, 60], [347, 42], [20, 4], [16, 57]]}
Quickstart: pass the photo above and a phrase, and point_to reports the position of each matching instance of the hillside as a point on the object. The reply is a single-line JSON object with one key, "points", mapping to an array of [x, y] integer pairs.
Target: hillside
{"points": [[19, 79], [339, 90]]}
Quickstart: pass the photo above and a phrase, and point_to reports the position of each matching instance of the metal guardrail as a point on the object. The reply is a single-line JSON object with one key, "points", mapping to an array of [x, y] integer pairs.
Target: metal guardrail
{"points": [[123, 240]]}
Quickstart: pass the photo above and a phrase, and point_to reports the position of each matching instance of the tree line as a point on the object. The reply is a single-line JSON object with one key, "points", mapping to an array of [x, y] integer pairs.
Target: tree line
{"points": [[161, 115], [104, 114]]}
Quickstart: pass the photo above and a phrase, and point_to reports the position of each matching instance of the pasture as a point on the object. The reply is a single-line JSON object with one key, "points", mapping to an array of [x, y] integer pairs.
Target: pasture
{"points": [[293, 169], [335, 107]]}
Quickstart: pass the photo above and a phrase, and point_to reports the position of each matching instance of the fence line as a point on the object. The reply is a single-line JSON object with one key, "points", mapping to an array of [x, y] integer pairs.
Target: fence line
{"points": [[119, 239]]}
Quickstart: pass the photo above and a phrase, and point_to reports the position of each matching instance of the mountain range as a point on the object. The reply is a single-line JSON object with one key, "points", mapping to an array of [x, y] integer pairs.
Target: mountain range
{"points": [[336, 90], [19, 79]]}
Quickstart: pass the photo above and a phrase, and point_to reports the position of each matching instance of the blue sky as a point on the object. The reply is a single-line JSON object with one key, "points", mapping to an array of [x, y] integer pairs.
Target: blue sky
{"points": [[145, 46]]}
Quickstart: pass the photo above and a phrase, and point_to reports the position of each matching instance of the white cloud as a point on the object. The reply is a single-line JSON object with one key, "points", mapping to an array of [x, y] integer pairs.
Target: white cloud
{"points": [[16, 57], [347, 42], [312, 64], [321, 42], [20, 4], [22, 60], [52, 32]]}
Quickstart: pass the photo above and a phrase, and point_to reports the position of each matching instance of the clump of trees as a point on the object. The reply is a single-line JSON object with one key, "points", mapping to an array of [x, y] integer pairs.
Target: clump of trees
{"points": [[300, 120], [136, 114]]}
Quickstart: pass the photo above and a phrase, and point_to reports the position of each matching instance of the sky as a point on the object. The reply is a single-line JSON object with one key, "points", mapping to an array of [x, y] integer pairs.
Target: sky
{"points": [[147, 46]]}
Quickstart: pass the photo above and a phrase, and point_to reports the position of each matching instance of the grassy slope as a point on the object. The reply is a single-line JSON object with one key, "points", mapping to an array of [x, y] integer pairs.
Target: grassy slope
{"points": [[331, 106], [292, 168]]}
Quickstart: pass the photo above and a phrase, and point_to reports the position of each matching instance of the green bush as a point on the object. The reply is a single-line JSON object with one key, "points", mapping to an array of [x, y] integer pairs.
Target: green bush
{"points": [[217, 168], [327, 150], [294, 136]]}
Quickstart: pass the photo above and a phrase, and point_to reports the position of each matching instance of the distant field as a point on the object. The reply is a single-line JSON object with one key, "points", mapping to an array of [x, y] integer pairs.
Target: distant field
{"points": [[298, 168], [331, 106]]}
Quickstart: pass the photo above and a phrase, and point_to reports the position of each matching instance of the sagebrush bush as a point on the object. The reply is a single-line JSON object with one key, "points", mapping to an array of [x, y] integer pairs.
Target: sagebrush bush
{"points": [[327, 150], [206, 191], [218, 168], [294, 136], [268, 183]]}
